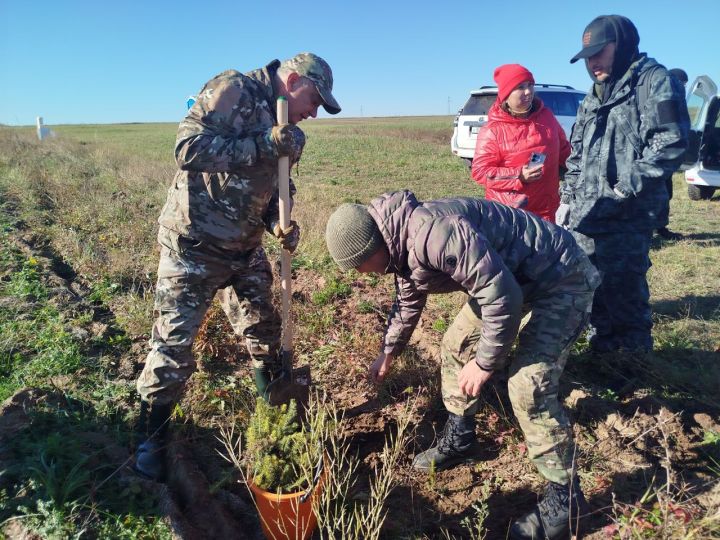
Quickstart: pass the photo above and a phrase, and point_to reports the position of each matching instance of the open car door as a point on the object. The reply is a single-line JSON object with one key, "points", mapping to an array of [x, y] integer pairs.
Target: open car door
{"points": [[701, 93]]}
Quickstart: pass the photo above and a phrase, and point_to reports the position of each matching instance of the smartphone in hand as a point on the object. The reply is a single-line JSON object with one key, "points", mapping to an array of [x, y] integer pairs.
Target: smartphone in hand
{"points": [[536, 158]]}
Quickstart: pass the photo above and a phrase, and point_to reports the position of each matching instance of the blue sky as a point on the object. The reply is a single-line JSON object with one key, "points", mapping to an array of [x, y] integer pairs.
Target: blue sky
{"points": [[106, 62]]}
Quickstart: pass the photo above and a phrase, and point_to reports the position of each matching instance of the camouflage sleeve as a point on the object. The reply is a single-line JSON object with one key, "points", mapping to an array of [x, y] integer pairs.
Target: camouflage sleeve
{"points": [[404, 316], [219, 134], [272, 214], [487, 164], [456, 248], [573, 162], [664, 128]]}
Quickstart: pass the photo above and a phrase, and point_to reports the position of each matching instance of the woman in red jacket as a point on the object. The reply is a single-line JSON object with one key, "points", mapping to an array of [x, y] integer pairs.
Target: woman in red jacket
{"points": [[521, 149]]}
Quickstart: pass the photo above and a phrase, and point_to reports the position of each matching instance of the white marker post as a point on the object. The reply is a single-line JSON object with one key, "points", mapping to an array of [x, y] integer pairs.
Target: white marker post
{"points": [[40, 129]]}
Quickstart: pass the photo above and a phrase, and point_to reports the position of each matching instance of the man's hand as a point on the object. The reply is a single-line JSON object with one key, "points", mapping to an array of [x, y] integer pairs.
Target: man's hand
{"points": [[528, 175], [289, 237], [289, 141], [380, 367], [620, 193], [278, 141], [472, 378], [562, 215]]}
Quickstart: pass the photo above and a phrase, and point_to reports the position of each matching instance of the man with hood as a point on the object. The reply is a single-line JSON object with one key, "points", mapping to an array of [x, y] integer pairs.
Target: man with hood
{"points": [[508, 262], [223, 198], [629, 137]]}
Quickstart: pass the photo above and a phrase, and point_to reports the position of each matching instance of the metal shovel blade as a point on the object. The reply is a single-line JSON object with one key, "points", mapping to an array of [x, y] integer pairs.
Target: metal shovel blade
{"points": [[292, 384]]}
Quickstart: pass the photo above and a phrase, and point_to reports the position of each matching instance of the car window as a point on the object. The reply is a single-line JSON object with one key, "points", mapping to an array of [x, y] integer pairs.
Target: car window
{"points": [[561, 103], [479, 104], [695, 105]]}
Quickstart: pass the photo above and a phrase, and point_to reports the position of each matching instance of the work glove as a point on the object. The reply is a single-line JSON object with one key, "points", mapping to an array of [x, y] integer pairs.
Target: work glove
{"points": [[562, 215], [289, 237], [278, 141]]}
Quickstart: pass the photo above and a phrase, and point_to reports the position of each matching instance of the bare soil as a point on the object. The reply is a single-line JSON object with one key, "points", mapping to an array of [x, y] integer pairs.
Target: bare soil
{"points": [[624, 441]]}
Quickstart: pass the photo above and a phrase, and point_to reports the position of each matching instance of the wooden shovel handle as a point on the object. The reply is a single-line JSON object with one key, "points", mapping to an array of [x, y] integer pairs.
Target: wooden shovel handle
{"points": [[286, 256]]}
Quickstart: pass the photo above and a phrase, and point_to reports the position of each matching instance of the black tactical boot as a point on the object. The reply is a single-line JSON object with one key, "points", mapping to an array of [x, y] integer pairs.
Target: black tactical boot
{"points": [[452, 447], [667, 234], [555, 516], [152, 429]]}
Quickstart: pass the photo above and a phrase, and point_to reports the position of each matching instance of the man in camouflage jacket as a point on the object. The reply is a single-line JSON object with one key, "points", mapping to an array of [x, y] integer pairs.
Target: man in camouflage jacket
{"points": [[221, 201], [509, 262], [629, 137]]}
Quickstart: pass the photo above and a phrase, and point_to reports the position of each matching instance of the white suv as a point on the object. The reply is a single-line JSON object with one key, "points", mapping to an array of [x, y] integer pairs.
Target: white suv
{"points": [[703, 153], [563, 101]]}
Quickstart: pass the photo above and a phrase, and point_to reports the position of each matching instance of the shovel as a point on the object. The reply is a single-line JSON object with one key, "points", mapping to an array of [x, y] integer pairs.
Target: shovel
{"points": [[292, 383]]}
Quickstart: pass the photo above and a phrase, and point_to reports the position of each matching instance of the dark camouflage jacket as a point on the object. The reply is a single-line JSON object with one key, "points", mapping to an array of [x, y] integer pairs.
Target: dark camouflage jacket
{"points": [[616, 144], [501, 256], [224, 194]]}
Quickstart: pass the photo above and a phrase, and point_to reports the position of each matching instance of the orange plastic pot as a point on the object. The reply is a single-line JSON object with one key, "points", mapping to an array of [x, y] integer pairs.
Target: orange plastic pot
{"points": [[285, 516]]}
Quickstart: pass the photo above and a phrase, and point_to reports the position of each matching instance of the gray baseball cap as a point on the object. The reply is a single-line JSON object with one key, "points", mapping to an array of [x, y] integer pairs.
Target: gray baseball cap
{"points": [[316, 69]]}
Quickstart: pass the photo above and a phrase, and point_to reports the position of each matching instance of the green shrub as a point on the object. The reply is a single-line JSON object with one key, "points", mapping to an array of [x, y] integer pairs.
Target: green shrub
{"points": [[365, 307], [277, 448], [440, 325], [333, 290]]}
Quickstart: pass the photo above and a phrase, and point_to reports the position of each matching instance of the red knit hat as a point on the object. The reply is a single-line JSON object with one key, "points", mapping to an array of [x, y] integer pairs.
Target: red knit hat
{"points": [[508, 77]]}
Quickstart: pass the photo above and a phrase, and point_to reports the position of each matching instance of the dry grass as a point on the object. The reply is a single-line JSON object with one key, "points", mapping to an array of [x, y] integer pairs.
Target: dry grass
{"points": [[93, 194]]}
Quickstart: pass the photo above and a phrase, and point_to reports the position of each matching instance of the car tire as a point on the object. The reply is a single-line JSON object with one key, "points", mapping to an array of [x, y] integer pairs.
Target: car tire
{"points": [[700, 193], [468, 163]]}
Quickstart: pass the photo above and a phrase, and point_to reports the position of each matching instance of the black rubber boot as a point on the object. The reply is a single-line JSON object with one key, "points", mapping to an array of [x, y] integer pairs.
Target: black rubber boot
{"points": [[264, 379], [452, 447], [274, 367], [555, 516], [667, 234], [152, 430]]}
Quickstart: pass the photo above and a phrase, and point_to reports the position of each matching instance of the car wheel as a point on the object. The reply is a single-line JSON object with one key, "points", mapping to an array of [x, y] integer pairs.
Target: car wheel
{"points": [[697, 193], [468, 162]]}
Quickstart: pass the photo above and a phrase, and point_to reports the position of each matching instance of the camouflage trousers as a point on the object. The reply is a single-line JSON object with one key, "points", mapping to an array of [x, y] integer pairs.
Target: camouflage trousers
{"points": [[556, 319], [188, 279], [621, 315]]}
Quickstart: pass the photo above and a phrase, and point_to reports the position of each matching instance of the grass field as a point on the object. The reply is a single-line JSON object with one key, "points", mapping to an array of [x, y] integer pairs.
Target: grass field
{"points": [[77, 270]]}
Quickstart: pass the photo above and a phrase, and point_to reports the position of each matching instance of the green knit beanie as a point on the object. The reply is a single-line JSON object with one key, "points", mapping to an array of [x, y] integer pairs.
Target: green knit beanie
{"points": [[352, 235]]}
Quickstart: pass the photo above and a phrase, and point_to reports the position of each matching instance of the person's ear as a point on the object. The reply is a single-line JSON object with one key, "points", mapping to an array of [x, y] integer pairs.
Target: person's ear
{"points": [[292, 81]]}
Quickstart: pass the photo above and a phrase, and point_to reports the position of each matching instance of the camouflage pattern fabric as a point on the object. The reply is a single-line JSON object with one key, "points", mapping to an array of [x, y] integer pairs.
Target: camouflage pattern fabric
{"points": [[188, 279], [316, 69], [556, 319], [225, 191], [502, 257], [627, 145], [221, 201], [621, 315], [632, 144]]}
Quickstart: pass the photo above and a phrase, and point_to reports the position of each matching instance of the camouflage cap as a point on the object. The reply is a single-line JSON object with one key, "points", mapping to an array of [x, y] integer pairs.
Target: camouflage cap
{"points": [[318, 71]]}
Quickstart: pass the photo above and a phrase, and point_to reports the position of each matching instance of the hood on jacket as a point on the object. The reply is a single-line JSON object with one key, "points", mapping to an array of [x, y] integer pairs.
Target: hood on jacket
{"points": [[610, 93], [626, 52], [391, 211]]}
